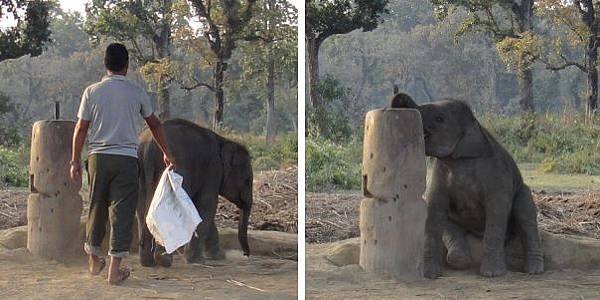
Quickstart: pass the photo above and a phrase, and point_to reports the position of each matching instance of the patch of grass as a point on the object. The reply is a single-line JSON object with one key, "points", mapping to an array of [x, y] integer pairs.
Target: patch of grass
{"points": [[561, 144], [552, 182], [269, 156], [13, 168], [330, 165]]}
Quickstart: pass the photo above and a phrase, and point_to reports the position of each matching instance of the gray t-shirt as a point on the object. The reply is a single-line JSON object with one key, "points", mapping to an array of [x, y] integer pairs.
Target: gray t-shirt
{"points": [[114, 107]]}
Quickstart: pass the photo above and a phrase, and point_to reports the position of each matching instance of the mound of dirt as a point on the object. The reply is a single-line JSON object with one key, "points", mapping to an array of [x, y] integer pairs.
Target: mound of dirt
{"points": [[334, 217], [275, 204]]}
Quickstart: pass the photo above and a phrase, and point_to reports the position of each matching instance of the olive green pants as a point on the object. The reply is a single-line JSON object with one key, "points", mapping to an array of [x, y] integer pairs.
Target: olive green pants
{"points": [[113, 181]]}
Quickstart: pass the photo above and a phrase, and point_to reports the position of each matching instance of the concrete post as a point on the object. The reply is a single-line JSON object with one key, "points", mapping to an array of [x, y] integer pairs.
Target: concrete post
{"points": [[392, 218], [54, 207]]}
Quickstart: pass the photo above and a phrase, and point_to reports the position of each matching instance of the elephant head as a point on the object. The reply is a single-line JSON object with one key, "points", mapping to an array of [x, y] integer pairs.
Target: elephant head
{"points": [[449, 127], [237, 186]]}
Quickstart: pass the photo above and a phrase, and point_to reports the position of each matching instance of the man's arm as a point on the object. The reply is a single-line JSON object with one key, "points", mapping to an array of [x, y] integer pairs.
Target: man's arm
{"points": [[159, 136], [81, 129]]}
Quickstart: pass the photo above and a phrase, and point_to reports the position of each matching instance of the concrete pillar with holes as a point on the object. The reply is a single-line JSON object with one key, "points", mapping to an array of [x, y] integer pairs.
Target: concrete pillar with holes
{"points": [[392, 216], [54, 205]]}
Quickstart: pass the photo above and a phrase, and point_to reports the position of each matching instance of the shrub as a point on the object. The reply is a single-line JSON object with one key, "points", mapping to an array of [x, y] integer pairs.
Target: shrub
{"points": [[13, 170], [331, 165], [269, 156]]}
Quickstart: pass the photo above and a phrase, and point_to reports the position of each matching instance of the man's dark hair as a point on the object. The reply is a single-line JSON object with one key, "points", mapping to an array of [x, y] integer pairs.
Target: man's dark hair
{"points": [[116, 57]]}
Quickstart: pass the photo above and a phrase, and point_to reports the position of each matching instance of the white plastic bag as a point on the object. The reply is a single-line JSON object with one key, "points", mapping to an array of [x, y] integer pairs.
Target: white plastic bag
{"points": [[172, 217]]}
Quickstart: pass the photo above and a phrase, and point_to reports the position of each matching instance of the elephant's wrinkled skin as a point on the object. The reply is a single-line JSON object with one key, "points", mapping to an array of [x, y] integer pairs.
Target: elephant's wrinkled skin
{"points": [[475, 188], [211, 166]]}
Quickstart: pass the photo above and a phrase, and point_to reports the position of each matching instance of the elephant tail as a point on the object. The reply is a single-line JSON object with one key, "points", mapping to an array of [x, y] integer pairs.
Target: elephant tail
{"points": [[243, 226]]}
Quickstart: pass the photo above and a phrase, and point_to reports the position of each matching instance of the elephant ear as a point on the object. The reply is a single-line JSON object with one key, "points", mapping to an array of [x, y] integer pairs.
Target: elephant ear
{"points": [[473, 143], [401, 100]]}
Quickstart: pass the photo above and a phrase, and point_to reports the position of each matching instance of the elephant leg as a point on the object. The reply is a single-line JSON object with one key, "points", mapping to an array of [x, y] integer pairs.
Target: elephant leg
{"points": [[497, 212], [459, 253], [145, 243], [213, 249], [206, 203], [437, 215], [161, 257], [525, 214]]}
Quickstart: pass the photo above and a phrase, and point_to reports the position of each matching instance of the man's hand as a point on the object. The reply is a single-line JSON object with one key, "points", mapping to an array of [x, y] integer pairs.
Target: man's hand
{"points": [[168, 164], [75, 171]]}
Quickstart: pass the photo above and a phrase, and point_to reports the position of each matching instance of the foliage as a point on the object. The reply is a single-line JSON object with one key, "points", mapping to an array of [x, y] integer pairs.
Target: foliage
{"points": [[330, 121], [520, 53], [9, 131], [326, 18], [13, 171], [267, 156], [557, 144], [31, 32], [330, 165], [561, 144]]}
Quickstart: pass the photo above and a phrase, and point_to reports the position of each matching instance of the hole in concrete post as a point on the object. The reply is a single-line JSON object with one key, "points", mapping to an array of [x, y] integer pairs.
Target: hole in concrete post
{"points": [[390, 218], [366, 192], [52, 210], [384, 169], [405, 186], [371, 156], [375, 242]]}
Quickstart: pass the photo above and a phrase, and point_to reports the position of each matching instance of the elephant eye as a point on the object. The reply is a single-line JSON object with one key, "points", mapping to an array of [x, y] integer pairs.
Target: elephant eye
{"points": [[439, 119]]}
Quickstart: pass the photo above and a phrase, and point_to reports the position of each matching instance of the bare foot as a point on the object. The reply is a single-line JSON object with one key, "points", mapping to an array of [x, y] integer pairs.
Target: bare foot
{"points": [[96, 264], [116, 274], [117, 277]]}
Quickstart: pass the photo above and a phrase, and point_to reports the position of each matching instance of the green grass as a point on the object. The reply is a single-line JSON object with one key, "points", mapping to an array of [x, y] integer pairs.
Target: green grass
{"points": [[537, 179], [14, 167]]}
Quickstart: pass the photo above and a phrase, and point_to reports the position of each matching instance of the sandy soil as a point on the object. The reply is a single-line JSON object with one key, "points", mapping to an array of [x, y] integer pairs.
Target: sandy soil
{"points": [[237, 277], [333, 217], [326, 281], [275, 208]]}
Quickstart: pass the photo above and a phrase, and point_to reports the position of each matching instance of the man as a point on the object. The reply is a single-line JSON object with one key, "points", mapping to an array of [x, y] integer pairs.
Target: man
{"points": [[111, 109]]}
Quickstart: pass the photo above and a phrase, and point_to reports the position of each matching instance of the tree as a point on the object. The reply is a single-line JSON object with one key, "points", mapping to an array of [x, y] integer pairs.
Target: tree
{"points": [[31, 31], [223, 24], [500, 19], [273, 52], [580, 27], [144, 25], [327, 18]]}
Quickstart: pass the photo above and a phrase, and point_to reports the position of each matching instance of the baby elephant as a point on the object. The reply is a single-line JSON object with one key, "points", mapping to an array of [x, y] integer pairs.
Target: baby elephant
{"points": [[475, 188]]}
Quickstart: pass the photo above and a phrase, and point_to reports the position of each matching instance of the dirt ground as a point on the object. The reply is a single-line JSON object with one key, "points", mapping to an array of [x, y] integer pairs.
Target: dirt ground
{"points": [[275, 204], [257, 277], [237, 277], [334, 217], [326, 281]]}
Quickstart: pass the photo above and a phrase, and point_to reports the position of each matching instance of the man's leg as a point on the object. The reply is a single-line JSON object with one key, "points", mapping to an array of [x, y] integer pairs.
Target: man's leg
{"points": [[98, 214], [123, 195]]}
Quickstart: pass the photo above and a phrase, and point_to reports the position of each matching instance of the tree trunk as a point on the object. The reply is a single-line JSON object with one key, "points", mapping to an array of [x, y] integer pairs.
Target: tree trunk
{"points": [[219, 95], [313, 71], [270, 130], [163, 45], [592, 77], [525, 76]]}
